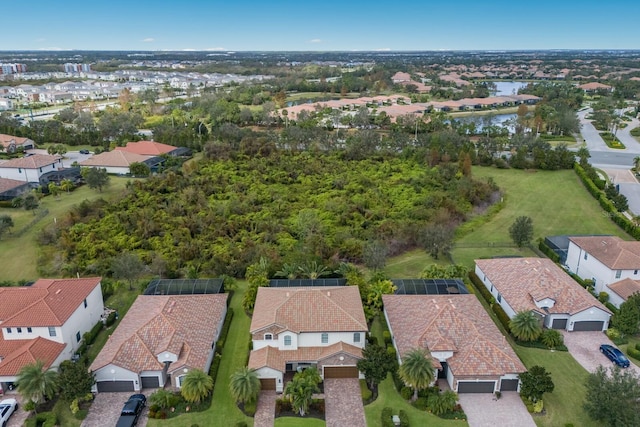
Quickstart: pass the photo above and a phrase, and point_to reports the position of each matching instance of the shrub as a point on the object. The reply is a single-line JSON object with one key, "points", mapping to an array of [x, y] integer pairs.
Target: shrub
{"points": [[404, 419], [365, 393], [603, 297], [633, 352], [318, 405], [391, 350], [372, 339], [612, 307], [397, 381], [225, 331], [551, 338], [386, 335], [637, 346], [538, 406], [421, 403], [548, 251], [250, 408], [406, 393], [89, 337], [239, 424], [502, 317], [386, 417], [81, 414], [612, 333], [43, 419], [111, 318], [215, 365]]}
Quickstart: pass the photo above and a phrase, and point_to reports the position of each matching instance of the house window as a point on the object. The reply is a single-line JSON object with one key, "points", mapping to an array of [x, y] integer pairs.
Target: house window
{"points": [[356, 337], [179, 380], [585, 255], [78, 336], [85, 303], [325, 338], [635, 272], [8, 330], [52, 331], [19, 330], [287, 340], [618, 274], [499, 297], [268, 337], [29, 330]]}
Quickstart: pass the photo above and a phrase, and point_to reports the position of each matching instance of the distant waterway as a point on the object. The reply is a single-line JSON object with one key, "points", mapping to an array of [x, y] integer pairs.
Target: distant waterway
{"points": [[481, 121], [507, 88]]}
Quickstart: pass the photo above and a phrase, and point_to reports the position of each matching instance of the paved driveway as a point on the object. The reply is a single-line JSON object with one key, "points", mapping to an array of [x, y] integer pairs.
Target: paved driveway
{"points": [[343, 403], [585, 348], [483, 410], [105, 410]]}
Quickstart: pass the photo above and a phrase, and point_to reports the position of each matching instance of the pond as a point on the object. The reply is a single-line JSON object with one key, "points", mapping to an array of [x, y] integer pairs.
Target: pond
{"points": [[507, 88]]}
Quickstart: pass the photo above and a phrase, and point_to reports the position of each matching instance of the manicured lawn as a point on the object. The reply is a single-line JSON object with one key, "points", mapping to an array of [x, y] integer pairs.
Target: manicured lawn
{"points": [[564, 404], [295, 422], [223, 410], [555, 200], [23, 250], [632, 342]]}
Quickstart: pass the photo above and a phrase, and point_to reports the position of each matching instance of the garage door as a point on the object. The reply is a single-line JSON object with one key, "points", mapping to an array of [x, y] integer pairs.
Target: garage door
{"points": [[267, 383], [588, 326], [509, 385], [559, 324], [476, 387], [111, 386], [150, 382], [340, 372]]}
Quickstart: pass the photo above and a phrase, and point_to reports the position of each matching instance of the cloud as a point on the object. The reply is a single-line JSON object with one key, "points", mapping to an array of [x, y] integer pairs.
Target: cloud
{"points": [[315, 41], [383, 49], [216, 49], [149, 40], [53, 48]]}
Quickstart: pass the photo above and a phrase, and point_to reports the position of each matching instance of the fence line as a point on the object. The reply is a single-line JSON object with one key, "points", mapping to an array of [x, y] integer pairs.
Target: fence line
{"points": [[39, 215]]}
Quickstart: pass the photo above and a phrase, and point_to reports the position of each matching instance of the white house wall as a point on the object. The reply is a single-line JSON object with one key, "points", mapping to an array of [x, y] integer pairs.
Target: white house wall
{"points": [[83, 319], [118, 374], [114, 170], [272, 373], [614, 298], [590, 314], [28, 175], [315, 339], [494, 292]]}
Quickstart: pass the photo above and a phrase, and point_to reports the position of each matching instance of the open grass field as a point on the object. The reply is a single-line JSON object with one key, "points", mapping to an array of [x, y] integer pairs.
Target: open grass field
{"points": [[410, 264], [23, 250], [564, 404]]}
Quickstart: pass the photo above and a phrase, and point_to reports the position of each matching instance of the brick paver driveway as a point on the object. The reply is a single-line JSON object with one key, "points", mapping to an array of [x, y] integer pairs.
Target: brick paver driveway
{"points": [[343, 403], [265, 411], [483, 410], [105, 410], [585, 348]]}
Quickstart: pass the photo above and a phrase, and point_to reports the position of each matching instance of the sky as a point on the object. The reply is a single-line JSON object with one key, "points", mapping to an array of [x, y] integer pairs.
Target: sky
{"points": [[327, 25]]}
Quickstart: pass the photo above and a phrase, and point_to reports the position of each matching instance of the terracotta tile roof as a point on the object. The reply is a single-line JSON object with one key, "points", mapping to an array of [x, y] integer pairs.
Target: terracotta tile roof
{"points": [[48, 302], [522, 281], [32, 162], [456, 323], [25, 352], [276, 359], [185, 325], [6, 140], [594, 86], [7, 184], [147, 148], [625, 287], [115, 158], [612, 251], [310, 309]]}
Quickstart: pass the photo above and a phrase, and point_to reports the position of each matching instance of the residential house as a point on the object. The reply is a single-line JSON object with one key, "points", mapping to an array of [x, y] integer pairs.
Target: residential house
{"points": [[595, 87], [46, 321], [10, 143], [11, 188], [467, 348], [160, 339], [540, 286], [118, 161], [612, 263], [148, 148], [30, 169], [298, 327]]}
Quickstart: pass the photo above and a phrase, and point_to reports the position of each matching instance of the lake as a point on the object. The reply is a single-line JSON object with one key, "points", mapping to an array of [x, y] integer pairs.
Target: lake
{"points": [[507, 88], [495, 120]]}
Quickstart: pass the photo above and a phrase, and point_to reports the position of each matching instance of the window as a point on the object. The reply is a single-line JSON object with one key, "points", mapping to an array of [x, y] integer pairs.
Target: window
{"points": [[499, 297], [585, 255], [78, 336], [268, 337], [29, 330], [52, 331], [618, 274], [635, 272], [287, 340], [356, 337], [8, 330], [325, 338], [19, 330], [85, 303]]}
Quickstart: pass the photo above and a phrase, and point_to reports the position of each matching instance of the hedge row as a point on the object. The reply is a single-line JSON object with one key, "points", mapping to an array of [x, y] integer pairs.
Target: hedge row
{"points": [[549, 253], [225, 331], [622, 221], [482, 289]]}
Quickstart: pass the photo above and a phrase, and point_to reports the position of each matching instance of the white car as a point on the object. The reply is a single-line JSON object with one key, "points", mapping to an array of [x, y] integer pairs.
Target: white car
{"points": [[7, 407]]}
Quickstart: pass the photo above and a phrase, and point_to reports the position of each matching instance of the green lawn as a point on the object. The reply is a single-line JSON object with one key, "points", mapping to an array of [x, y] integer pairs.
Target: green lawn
{"points": [[298, 422], [564, 404], [23, 251], [410, 264], [223, 410], [555, 200]]}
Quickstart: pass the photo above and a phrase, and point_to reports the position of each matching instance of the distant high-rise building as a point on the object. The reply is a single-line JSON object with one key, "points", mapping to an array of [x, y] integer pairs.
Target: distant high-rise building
{"points": [[13, 68], [76, 68]]}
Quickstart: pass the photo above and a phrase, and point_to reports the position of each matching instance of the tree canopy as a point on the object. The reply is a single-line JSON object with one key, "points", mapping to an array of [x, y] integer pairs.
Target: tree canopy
{"points": [[613, 397]]}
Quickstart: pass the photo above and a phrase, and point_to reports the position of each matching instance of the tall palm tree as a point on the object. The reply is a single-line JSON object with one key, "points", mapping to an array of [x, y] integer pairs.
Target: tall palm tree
{"points": [[525, 326], [66, 185], [244, 385], [417, 370], [196, 386], [36, 383], [300, 391]]}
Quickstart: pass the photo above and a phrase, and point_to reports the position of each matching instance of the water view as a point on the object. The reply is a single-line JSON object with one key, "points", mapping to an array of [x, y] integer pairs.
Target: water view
{"points": [[507, 88]]}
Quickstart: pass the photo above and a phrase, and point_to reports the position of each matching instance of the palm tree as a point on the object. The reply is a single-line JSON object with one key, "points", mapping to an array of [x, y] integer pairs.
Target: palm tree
{"points": [[525, 326], [313, 271], [245, 385], [36, 383], [300, 391], [196, 386], [551, 338], [417, 370], [290, 271], [636, 164], [66, 185], [442, 402]]}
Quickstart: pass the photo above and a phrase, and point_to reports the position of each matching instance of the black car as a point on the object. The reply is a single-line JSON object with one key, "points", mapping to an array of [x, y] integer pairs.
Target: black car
{"points": [[84, 152], [132, 410]]}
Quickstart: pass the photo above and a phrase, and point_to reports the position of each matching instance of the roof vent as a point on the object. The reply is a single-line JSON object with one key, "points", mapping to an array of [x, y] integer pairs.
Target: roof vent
{"points": [[288, 295], [58, 291], [328, 293]]}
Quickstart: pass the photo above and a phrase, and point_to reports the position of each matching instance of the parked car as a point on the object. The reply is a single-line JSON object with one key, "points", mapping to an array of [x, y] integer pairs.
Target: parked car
{"points": [[615, 355], [7, 408], [132, 410], [84, 152]]}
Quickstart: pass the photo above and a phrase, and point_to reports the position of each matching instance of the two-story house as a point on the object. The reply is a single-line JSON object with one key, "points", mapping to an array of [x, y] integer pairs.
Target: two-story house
{"points": [[612, 263], [10, 143], [46, 321], [31, 168], [298, 327]]}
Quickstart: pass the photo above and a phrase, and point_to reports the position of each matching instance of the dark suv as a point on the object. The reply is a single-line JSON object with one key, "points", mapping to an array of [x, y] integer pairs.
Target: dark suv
{"points": [[615, 355], [132, 410]]}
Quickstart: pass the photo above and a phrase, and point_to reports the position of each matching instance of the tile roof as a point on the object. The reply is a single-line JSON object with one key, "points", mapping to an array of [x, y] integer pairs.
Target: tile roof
{"points": [[612, 251], [309, 309], [185, 325], [276, 359], [115, 158], [147, 148], [7, 184], [522, 281], [625, 287], [594, 86], [6, 140], [32, 162], [48, 302], [456, 323], [15, 354]]}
